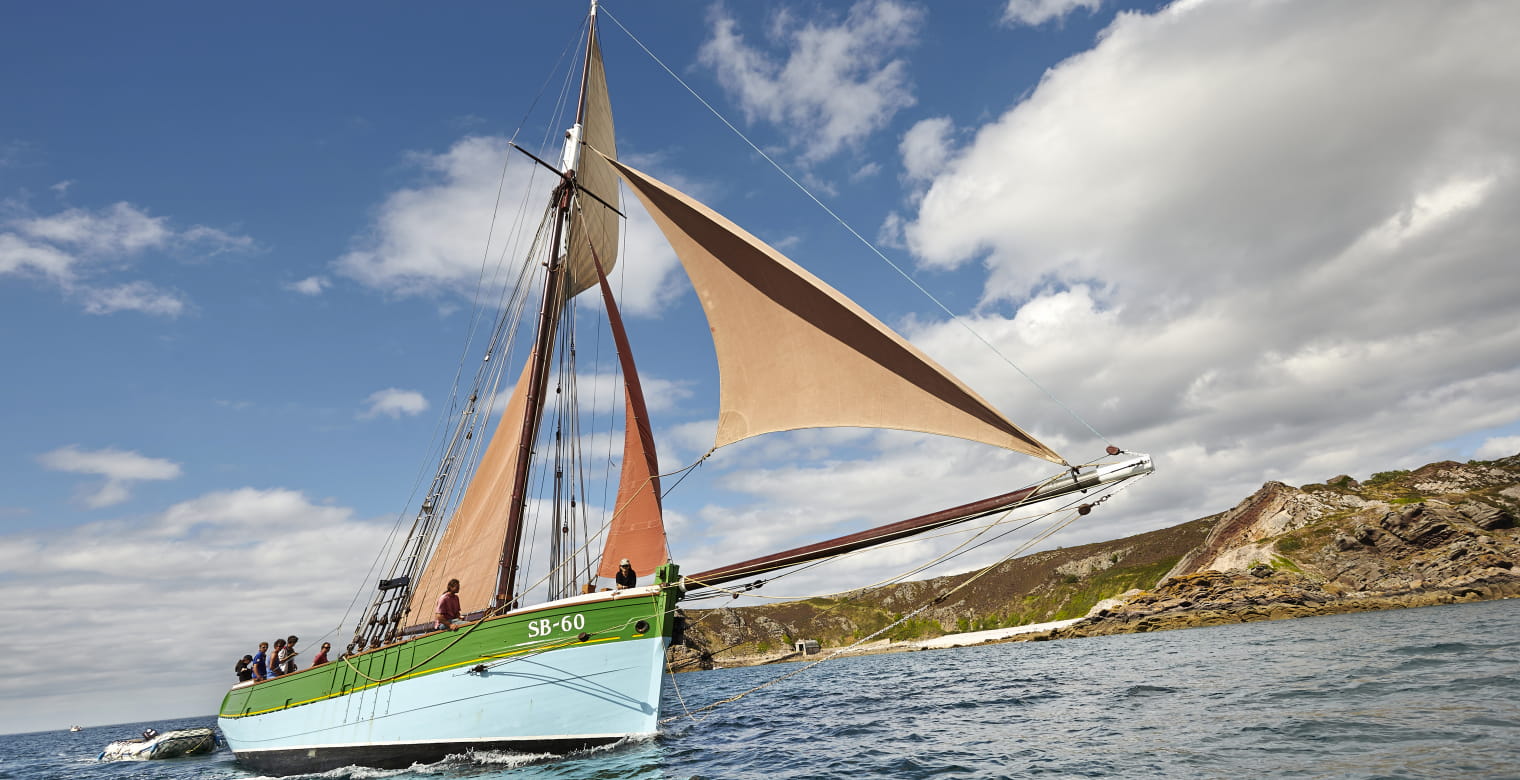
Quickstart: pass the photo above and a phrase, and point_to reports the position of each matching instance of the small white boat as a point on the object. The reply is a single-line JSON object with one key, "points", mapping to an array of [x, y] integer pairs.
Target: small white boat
{"points": [[76, 728], [170, 744]]}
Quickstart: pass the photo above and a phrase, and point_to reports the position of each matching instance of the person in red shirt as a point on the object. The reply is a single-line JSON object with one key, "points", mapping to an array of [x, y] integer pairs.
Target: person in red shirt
{"points": [[322, 655], [448, 607]]}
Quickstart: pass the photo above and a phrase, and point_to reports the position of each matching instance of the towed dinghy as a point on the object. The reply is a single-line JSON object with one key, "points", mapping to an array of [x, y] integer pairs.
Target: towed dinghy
{"points": [[170, 744]]}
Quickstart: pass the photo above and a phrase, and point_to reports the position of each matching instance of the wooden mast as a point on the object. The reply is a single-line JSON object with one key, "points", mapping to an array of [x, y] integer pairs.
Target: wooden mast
{"points": [[543, 353]]}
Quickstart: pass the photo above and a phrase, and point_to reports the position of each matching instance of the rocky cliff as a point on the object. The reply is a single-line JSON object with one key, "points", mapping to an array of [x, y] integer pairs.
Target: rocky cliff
{"points": [[1442, 533]]}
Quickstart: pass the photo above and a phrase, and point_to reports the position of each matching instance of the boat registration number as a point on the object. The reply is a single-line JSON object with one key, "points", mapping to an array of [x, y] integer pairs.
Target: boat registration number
{"points": [[565, 624]]}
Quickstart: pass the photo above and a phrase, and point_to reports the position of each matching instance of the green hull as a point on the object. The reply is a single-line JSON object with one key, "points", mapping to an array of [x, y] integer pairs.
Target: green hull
{"points": [[571, 673]]}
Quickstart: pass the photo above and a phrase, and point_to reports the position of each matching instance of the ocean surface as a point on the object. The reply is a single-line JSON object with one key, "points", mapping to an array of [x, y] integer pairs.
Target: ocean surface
{"points": [[1431, 692]]}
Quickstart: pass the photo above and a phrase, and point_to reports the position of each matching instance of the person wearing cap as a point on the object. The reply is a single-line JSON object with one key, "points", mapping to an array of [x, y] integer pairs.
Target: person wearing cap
{"points": [[626, 578]]}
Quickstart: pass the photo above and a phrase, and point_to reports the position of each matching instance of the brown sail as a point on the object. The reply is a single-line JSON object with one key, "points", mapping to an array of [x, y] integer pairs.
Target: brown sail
{"points": [[593, 225], [794, 353]]}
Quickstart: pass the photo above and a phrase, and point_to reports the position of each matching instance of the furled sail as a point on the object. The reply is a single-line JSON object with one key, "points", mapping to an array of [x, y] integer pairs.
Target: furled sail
{"points": [[794, 353], [637, 529], [593, 223], [470, 549]]}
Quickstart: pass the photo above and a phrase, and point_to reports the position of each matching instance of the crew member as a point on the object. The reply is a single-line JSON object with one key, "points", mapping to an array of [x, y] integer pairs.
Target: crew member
{"points": [[626, 577], [448, 607]]}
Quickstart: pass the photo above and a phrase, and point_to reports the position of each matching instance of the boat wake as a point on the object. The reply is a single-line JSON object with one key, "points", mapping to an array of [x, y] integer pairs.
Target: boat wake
{"points": [[470, 763]]}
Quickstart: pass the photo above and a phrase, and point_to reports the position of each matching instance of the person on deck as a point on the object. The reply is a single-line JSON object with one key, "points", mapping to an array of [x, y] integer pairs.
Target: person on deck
{"points": [[277, 659], [244, 668], [626, 576], [289, 655], [448, 608], [321, 654], [261, 662]]}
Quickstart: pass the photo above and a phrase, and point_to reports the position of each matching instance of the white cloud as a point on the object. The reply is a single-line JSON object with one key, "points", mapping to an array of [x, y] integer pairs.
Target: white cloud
{"points": [[432, 237], [279, 562], [120, 468], [119, 229], [1261, 240], [19, 256], [211, 242], [925, 147], [642, 279], [1038, 12], [429, 239], [838, 83], [1265, 240], [393, 402], [311, 285], [74, 248], [1498, 447], [137, 296]]}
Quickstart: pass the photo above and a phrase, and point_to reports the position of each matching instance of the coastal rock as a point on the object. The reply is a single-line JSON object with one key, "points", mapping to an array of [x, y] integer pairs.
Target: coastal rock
{"points": [[1441, 534]]}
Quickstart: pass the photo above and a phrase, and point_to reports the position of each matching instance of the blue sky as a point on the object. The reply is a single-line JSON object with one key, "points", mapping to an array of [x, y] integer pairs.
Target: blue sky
{"points": [[1261, 240]]}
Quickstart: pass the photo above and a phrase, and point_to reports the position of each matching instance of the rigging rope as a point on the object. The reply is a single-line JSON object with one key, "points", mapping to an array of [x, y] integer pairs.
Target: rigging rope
{"points": [[1056, 527]]}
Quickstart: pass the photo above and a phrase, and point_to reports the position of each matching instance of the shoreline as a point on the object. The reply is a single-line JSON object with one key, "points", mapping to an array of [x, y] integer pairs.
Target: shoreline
{"points": [[1226, 600]]}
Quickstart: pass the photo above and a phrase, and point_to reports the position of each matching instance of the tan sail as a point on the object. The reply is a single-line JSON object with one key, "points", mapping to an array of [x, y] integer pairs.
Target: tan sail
{"points": [[794, 353], [593, 223], [470, 549]]}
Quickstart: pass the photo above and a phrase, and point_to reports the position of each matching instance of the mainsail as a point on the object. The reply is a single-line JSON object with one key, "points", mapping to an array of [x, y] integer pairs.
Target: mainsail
{"points": [[470, 549]]}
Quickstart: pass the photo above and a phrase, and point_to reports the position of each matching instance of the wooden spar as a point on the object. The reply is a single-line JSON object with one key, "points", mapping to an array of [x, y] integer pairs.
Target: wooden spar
{"points": [[1078, 481], [856, 541]]}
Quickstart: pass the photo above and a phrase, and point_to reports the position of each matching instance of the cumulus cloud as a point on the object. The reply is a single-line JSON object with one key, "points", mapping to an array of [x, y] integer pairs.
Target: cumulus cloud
{"points": [[1267, 240], [1498, 447], [840, 79], [120, 469], [429, 239], [275, 560], [393, 403], [311, 285], [1259, 240], [72, 249], [925, 147], [137, 296], [120, 228], [1038, 12]]}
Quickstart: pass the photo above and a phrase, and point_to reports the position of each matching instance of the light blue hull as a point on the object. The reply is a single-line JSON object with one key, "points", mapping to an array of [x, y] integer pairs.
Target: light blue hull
{"points": [[565, 698]]}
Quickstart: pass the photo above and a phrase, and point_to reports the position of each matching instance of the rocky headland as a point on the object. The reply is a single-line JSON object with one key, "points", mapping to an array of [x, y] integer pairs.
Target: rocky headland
{"points": [[1441, 534]]}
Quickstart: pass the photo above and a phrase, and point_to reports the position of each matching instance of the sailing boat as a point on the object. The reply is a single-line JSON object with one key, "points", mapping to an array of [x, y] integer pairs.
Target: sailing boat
{"points": [[584, 667]]}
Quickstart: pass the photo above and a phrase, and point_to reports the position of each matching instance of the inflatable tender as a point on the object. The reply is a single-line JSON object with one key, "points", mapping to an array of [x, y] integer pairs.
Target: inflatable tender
{"points": [[170, 744]]}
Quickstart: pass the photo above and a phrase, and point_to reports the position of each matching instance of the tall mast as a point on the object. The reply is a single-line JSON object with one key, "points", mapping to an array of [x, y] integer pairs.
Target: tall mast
{"points": [[551, 306]]}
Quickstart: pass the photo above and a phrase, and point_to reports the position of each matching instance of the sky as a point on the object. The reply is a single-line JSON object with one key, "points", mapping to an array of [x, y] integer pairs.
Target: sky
{"points": [[239, 249]]}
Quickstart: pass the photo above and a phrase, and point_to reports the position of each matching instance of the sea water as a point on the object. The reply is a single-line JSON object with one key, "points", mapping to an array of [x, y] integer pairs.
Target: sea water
{"points": [[1431, 692]]}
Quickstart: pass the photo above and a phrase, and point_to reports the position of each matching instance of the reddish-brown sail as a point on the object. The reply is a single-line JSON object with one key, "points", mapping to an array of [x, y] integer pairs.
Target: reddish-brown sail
{"points": [[637, 529]]}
